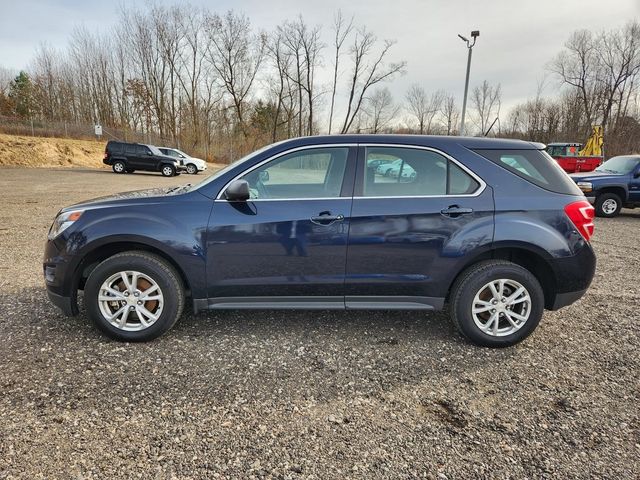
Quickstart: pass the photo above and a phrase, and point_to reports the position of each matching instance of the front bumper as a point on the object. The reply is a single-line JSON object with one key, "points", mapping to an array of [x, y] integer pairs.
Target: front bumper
{"points": [[68, 305], [58, 278]]}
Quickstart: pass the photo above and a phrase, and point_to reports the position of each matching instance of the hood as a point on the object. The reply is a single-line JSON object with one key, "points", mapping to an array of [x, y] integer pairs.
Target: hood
{"points": [[137, 196], [587, 176]]}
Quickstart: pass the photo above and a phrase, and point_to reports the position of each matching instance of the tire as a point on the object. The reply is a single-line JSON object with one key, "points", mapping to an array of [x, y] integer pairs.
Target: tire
{"points": [[608, 205], [119, 167], [192, 169], [159, 313], [472, 289], [168, 170]]}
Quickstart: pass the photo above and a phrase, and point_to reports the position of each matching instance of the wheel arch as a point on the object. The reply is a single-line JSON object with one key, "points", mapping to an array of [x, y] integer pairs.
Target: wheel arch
{"points": [[103, 251], [527, 256], [619, 190]]}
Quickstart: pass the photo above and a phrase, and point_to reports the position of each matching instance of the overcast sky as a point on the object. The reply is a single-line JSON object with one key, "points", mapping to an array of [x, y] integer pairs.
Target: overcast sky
{"points": [[517, 37]]}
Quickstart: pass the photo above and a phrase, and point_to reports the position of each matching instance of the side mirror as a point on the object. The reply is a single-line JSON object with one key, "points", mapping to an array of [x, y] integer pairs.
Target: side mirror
{"points": [[264, 176], [237, 191]]}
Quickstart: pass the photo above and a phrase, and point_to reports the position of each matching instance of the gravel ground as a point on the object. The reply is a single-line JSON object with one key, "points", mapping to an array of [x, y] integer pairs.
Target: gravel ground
{"points": [[308, 394]]}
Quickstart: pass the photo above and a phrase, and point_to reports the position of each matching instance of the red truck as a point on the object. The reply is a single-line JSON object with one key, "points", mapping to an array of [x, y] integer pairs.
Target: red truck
{"points": [[568, 157]]}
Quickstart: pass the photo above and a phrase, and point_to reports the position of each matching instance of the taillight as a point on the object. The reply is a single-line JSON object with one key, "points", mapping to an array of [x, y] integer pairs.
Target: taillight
{"points": [[581, 213]]}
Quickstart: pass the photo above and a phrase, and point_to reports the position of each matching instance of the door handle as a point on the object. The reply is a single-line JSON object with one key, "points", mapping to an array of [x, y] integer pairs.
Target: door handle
{"points": [[325, 218], [454, 211]]}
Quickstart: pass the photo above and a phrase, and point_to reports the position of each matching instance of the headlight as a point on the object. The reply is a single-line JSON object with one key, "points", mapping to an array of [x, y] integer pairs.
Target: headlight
{"points": [[585, 186], [63, 221]]}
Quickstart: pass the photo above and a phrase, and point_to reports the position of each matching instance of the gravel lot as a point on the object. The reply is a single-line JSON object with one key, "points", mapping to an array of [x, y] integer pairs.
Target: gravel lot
{"points": [[308, 394]]}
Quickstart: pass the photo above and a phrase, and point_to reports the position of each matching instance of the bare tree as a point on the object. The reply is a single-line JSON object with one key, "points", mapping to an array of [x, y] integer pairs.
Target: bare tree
{"points": [[422, 107], [450, 114], [368, 69], [380, 110], [235, 55], [341, 29], [486, 100]]}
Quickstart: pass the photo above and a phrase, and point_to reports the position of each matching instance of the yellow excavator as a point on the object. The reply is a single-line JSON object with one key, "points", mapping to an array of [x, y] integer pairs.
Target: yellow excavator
{"points": [[593, 147]]}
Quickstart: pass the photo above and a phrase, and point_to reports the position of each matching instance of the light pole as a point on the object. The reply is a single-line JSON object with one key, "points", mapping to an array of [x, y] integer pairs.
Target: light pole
{"points": [[474, 34]]}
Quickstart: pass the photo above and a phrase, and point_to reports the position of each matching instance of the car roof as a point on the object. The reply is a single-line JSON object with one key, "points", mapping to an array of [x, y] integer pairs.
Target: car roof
{"points": [[418, 140]]}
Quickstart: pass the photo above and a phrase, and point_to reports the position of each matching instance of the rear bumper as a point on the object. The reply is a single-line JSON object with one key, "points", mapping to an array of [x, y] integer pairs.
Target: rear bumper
{"points": [[564, 299], [573, 275]]}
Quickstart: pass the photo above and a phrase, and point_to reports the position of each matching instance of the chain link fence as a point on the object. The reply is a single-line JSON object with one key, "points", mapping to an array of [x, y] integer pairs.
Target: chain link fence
{"points": [[62, 129]]}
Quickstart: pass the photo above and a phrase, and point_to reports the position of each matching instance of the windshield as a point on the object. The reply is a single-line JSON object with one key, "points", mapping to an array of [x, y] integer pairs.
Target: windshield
{"points": [[619, 165], [224, 170]]}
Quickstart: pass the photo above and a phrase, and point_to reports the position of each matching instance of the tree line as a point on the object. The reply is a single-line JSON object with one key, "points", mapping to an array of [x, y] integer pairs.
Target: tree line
{"points": [[214, 85]]}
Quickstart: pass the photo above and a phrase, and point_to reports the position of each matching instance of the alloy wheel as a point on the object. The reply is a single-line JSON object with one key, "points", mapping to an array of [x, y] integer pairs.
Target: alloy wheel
{"points": [[130, 300], [501, 307]]}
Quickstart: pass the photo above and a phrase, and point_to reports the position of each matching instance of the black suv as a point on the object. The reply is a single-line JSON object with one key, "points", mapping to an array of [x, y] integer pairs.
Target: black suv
{"points": [[129, 157]]}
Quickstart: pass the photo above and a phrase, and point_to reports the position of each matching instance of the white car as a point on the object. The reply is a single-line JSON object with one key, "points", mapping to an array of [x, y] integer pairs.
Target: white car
{"points": [[407, 172], [385, 168], [192, 165]]}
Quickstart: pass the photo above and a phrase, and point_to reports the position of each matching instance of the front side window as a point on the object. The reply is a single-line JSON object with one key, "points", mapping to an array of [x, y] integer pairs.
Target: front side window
{"points": [[311, 173], [142, 150], [413, 172]]}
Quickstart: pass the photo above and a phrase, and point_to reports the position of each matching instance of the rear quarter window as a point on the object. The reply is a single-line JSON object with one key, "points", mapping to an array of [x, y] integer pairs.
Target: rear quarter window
{"points": [[535, 166]]}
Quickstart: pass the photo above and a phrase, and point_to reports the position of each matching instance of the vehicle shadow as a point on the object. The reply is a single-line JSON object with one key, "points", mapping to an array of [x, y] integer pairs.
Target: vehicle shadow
{"points": [[304, 353]]}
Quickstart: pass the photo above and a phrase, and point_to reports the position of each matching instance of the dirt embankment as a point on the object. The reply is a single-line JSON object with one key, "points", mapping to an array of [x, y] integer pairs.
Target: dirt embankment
{"points": [[50, 152]]}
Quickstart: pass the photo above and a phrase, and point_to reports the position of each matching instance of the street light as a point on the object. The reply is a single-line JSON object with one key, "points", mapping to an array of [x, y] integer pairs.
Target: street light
{"points": [[474, 34]]}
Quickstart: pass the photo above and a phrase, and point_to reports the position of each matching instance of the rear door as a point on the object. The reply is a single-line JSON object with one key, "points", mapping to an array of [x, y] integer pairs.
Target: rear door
{"points": [[410, 232], [287, 245]]}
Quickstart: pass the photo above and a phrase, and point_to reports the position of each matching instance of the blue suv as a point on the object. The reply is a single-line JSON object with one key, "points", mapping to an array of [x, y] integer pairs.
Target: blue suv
{"points": [[613, 185], [493, 228]]}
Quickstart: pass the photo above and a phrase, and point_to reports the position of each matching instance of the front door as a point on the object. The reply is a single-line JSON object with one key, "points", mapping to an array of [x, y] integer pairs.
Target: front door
{"points": [[411, 227], [287, 244]]}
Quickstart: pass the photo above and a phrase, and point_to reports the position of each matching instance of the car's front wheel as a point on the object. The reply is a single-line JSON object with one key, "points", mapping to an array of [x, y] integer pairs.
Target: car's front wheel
{"points": [[192, 169], [168, 171], [608, 205], [496, 303], [119, 167], [134, 296]]}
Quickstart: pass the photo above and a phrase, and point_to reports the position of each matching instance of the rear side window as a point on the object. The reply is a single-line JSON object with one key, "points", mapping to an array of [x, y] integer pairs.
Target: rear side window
{"points": [[406, 172], [535, 166], [115, 147]]}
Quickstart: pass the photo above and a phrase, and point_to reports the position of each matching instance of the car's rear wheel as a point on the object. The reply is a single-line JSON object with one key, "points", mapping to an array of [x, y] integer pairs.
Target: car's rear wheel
{"points": [[192, 169], [608, 205], [168, 171], [496, 303], [134, 296], [119, 167]]}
